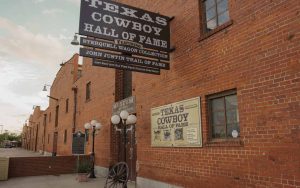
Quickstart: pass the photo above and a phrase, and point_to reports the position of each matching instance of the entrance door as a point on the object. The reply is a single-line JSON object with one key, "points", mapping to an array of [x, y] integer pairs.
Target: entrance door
{"points": [[55, 137]]}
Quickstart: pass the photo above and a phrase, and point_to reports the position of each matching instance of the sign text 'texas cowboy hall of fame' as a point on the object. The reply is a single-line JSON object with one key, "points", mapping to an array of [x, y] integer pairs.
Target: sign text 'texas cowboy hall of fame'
{"points": [[109, 20]]}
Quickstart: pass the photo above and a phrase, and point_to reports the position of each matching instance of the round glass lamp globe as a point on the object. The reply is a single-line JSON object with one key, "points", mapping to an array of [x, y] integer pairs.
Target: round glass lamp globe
{"points": [[87, 125], [94, 122], [98, 126], [124, 114], [131, 119], [115, 119]]}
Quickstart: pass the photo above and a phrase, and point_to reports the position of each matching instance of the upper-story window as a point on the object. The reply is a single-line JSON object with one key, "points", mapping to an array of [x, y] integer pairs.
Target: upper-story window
{"points": [[65, 136], [67, 105], [215, 13], [56, 115], [88, 91]]}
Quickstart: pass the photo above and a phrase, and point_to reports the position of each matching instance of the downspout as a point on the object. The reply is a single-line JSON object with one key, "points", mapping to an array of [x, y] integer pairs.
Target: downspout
{"points": [[75, 109], [36, 136], [44, 136], [75, 89]]}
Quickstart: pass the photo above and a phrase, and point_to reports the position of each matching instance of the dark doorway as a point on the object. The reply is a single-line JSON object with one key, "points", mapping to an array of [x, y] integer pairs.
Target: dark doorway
{"points": [[55, 137]]}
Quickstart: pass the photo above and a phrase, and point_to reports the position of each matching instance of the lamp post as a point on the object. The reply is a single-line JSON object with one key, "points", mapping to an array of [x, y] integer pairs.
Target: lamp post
{"points": [[126, 120], [94, 125], [45, 87]]}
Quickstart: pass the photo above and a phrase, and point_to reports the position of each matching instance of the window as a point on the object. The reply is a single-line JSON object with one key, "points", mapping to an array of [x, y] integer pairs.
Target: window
{"points": [[48, 138], [223, 115], [45, 120], [65, 136], [215, 13], [56, 116], [88, 91], [50, 117], [67, 105]]}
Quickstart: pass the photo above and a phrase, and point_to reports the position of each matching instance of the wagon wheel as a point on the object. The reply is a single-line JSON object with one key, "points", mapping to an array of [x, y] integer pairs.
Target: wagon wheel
{"points": [[117, 176]]}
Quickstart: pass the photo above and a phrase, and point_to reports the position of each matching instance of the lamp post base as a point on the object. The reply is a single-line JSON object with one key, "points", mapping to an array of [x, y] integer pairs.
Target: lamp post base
{"points": [[92, 174]]}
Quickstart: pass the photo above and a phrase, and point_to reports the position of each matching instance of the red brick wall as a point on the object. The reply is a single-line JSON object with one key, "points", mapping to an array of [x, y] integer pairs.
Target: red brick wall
{"points": [[37, 166], [99, 107], [259, 56]]}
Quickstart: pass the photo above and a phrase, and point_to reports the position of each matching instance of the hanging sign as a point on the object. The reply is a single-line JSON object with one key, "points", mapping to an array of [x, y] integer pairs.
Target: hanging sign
{"points": [[177, 124], [110, 20], [127, 104], [122, 58], [125, 66], [123, 46]]}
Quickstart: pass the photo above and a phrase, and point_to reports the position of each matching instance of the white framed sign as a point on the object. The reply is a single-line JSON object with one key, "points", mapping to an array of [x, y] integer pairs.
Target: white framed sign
{"points": [[177, 124]]}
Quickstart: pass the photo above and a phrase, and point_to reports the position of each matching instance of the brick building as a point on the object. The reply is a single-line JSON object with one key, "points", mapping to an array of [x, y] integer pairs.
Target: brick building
{"points": [[240, 57]]}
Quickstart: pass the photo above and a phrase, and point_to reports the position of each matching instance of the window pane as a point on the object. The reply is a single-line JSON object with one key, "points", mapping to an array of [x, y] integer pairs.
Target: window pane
{"points": [[209, 4], [231, 127], [232, 109], [223, 18], [211, 13], [218, 131], [222, 6], [217, 104], [212, 24], [232, 116], [231, 102], [218, 118]]}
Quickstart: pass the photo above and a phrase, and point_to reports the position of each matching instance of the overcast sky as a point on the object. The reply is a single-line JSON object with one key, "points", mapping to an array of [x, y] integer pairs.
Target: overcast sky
{"points": [[35, 38]]}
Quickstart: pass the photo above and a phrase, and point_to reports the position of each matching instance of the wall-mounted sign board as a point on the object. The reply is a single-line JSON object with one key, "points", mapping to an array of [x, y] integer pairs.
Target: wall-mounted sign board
{"points": [[106, 45], [123, 58], [127, 104], [177, 124], [78, 143], [125, 66], [110, 20]]}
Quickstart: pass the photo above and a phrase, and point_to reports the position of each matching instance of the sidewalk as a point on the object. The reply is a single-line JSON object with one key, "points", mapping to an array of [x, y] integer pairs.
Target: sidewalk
{"points": [[17, 152], [61, 181]]}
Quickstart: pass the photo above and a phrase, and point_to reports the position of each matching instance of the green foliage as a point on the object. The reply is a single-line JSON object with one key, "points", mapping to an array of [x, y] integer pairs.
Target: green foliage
{"points": [[83, 166], [10, 136]]}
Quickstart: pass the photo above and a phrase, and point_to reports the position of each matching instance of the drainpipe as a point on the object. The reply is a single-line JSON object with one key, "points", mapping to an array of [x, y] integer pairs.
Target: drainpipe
{"points": [[44, 135], [36, 136], [75, 90]]}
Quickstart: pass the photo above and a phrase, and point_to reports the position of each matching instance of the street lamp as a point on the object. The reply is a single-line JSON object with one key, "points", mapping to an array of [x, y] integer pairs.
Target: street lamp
{"points": [[94, 125], [45, 87], [75, 42], [126, 120]]}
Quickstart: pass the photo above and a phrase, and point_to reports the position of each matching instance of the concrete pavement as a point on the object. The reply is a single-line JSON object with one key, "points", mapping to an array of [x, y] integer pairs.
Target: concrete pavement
{"points": [[61, 181], [17, 152]]}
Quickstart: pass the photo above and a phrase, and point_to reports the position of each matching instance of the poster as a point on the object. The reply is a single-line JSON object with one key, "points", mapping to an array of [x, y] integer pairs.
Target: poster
{"points": [[177, 124]]}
